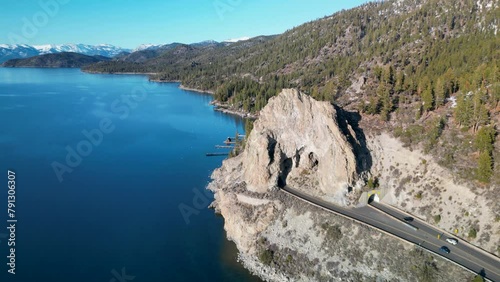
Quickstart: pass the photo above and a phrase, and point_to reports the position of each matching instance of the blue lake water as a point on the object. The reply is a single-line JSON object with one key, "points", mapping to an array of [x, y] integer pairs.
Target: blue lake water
{"points": [[113, 207]]}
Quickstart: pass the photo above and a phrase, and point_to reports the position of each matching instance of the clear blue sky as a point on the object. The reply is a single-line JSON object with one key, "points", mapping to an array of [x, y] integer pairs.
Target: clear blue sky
{"points": [[128, 23]]}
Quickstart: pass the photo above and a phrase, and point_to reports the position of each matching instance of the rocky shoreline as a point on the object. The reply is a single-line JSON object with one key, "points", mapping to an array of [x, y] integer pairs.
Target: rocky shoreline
{"points": [[224, 109], [220, 107], [120, 73], [196, 90]]}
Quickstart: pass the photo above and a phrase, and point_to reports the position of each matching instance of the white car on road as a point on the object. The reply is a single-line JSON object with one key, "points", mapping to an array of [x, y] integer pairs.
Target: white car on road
{"points": [[452, 241]]}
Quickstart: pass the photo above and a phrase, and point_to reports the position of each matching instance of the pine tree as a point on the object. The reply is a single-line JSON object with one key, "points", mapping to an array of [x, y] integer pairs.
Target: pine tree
{"points": [[315, 92], [423, 84], [480, 115], [464, 110], [440, 93], [449, 82], [389, 76], [418, 112], [386, 104], [428, 99], [484, 167], [485, 138], [248, 127], [373, 106], [400, 82], [378, 73], [495, 95]]}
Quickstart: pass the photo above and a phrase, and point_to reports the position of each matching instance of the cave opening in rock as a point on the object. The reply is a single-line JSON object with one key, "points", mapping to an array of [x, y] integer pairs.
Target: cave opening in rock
{"points": [[313, 161], [285, 168]]}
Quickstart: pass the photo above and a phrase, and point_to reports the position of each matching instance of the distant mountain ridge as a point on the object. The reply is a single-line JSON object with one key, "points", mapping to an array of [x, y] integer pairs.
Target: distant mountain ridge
{"points": [[56, 60], [20, 51], [156, 53], [152, 58], [147, 47], [234, 40]]}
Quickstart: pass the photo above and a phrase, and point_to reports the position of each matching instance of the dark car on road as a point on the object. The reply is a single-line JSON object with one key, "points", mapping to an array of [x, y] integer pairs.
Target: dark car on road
{"points": [[408, 218], [444, 249]]}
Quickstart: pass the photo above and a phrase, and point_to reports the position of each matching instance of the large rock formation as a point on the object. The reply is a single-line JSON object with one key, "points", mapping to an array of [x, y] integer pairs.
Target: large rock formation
{"points": [[297, 142]]}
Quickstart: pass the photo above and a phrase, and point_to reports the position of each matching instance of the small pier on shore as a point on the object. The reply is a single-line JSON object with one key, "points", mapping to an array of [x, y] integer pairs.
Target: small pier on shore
{"points": [[229, 143]]}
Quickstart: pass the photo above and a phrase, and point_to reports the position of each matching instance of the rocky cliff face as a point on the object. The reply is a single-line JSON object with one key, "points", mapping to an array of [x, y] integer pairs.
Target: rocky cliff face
{"points": [[297, 141], [309, 146]]}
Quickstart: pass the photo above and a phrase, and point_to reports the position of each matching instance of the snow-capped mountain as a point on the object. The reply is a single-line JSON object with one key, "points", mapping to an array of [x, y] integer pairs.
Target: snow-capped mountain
{"points": [[143, 47], [234, 40], [205, 43], [105, 50], [147, 47], [8, 52]]}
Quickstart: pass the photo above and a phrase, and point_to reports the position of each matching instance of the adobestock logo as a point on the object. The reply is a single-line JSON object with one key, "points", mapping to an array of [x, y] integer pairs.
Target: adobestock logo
{"points": [[200, 201], [31, 25], [223, 7], [121, 106]]}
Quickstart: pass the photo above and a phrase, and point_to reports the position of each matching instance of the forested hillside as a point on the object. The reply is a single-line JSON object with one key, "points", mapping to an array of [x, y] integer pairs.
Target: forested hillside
{"points": [[176, 60], [428, 70], [58, 60]]}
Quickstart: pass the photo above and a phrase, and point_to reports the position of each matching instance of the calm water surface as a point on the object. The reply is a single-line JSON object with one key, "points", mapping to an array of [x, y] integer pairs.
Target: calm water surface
{"points": [[117, 206]]}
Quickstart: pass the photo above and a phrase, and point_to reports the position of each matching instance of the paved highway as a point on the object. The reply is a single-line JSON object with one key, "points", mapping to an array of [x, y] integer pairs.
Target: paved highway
{"points": [[420, 233], [463, 247]]}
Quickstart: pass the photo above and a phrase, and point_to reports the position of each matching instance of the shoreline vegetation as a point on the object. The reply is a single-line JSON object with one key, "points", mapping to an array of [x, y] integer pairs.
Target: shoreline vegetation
{"points": [[183, 87], [218, 106], [121, 73]]}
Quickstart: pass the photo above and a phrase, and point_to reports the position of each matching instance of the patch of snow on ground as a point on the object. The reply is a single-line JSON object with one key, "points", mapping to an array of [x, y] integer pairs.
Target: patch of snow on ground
{"points": [[453, 101]]}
